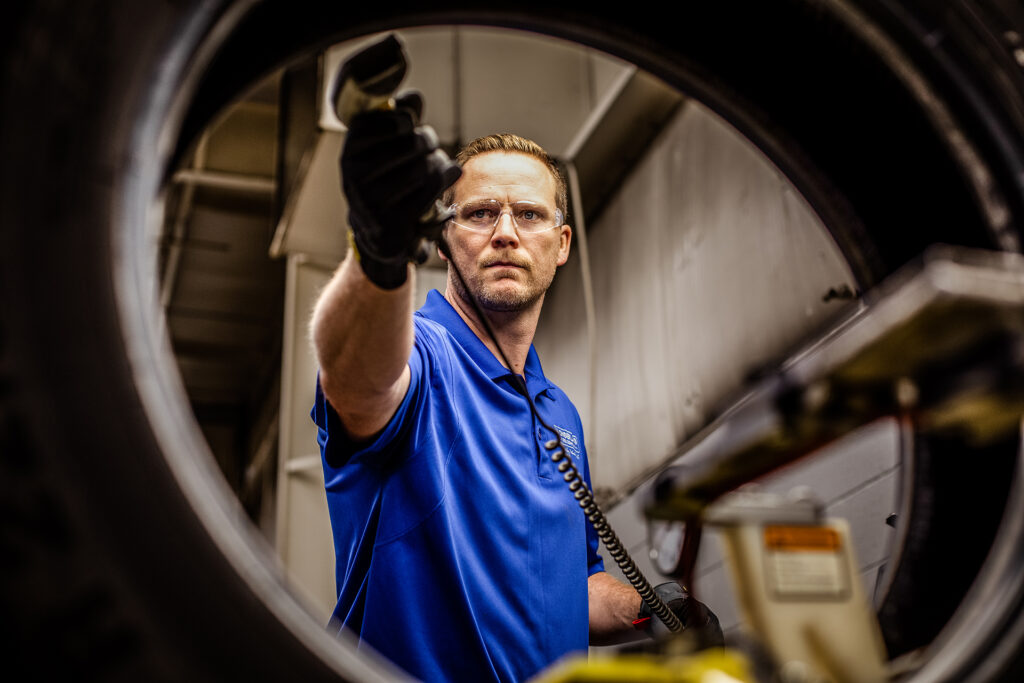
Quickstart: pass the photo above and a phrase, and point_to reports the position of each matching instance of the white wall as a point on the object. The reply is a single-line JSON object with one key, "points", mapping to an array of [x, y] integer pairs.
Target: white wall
{"points": [[707, 265]]}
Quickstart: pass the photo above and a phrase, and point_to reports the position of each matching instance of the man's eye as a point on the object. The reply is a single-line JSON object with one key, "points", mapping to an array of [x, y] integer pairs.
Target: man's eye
{"points": [[476, 213], [532, 215]]}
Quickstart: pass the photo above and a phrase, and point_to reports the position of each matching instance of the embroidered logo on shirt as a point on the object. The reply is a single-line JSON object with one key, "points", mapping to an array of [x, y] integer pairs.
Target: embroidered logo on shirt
{"points": [[570, 442]]}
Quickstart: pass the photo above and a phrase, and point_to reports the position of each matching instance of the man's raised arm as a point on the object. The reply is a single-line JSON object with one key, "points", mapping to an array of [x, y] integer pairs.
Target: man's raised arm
{"points": [[362, 335], [392, 171]]}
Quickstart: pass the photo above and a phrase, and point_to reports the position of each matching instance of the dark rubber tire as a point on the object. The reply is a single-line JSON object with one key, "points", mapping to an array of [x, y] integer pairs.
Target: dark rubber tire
{"points": [[121, 557]]}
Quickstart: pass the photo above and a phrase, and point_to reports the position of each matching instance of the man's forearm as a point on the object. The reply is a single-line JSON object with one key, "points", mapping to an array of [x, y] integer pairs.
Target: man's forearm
{"points": [[363, 336], [613, 607]]}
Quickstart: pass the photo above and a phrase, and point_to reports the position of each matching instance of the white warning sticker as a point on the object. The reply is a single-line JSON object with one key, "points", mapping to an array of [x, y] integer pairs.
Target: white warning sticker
{"points": [[805, 562]]}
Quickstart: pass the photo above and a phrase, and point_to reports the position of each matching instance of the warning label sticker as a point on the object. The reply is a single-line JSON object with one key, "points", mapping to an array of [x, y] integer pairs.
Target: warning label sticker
{"points": [[805, 562], [801, 538]]}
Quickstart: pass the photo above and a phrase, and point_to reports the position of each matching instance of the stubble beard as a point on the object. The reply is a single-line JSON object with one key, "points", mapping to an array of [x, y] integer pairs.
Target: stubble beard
{"points": [[498, 300]]}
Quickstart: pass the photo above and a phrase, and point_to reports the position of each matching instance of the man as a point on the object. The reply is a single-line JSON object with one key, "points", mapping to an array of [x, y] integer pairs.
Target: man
{"points": [[461, 553]]}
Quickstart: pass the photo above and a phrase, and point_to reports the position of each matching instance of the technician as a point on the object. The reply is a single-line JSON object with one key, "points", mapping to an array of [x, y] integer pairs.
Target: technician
{"points": [[460, 552]]}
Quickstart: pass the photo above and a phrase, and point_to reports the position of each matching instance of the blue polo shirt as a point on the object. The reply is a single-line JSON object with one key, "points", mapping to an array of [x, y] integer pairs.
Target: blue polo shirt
{"points": [[461, 554]]}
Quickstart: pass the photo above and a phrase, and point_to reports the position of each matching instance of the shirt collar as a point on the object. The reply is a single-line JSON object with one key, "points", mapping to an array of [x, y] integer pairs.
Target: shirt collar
{"points": [[440, 311]]}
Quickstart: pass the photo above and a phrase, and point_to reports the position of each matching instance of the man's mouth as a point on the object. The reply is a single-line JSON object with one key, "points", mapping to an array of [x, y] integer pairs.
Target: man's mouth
{"points": [[504, 264]]}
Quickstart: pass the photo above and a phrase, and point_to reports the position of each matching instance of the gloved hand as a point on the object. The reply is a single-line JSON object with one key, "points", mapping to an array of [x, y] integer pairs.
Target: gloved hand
{"points": [[697, 618], [392, 172]]}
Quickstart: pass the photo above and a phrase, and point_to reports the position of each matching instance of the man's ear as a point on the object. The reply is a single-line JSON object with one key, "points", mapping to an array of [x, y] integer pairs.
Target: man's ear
{"points": [[565, 241]]}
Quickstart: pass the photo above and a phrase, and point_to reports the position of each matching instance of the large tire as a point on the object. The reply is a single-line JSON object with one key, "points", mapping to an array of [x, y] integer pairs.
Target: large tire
{"points": [[122, 554]]}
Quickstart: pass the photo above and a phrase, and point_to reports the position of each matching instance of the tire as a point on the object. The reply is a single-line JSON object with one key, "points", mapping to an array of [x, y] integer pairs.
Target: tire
{"points": [[124, 557]]}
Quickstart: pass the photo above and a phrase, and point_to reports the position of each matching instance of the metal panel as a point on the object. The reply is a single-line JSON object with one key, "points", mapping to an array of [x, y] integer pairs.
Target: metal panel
{"points": [[433, 71], [706, 265], [304, 539], [855, 476], [837, 471], [315, 216], [516, 82], [866, 509], [239, 143], [631, 114], [478, 81]]}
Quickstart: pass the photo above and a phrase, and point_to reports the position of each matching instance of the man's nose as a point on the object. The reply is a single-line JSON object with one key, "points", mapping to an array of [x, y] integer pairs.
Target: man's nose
{"points": [[505, 232]]}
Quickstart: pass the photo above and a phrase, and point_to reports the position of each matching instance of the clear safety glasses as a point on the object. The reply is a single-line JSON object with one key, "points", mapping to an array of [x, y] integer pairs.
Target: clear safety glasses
{"points": [[483, 215]]}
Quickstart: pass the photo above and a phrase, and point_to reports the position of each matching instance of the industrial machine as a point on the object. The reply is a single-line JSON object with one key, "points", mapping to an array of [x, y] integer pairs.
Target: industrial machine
{"points": [[940, 344]]}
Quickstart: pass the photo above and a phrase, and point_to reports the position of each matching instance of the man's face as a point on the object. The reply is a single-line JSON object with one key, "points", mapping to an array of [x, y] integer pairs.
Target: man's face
{"points": [[505, 269]]}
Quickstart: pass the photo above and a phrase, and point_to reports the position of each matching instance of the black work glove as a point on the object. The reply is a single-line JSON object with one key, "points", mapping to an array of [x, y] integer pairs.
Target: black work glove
{"points": [[392, 173], [698, 620]]}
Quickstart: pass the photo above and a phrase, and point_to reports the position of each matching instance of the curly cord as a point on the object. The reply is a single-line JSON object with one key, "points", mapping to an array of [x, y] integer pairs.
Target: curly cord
{"points": [[581, 492], [611, 541]]}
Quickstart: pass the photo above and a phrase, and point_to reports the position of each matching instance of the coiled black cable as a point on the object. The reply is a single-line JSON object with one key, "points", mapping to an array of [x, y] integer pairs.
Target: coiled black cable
{"points": [[604, 531]]}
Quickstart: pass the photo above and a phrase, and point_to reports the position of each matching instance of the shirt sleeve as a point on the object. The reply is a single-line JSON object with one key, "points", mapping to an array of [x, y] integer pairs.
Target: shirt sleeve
{"points": [[381, 450]]}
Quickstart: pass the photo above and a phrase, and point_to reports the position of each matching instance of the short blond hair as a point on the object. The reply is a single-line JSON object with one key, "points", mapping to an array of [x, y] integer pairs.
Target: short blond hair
{"points": [[509, 142]]}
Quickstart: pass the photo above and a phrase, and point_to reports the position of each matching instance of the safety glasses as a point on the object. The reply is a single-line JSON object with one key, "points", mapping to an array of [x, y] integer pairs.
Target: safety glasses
{"points": [[483, 215]]}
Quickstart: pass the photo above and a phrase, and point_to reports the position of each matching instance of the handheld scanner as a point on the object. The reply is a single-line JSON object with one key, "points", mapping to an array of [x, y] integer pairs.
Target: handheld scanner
{"points": [[368, 79]]}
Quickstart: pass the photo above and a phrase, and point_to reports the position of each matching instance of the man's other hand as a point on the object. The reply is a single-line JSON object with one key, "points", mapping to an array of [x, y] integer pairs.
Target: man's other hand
{"points": [[697, 618]]}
